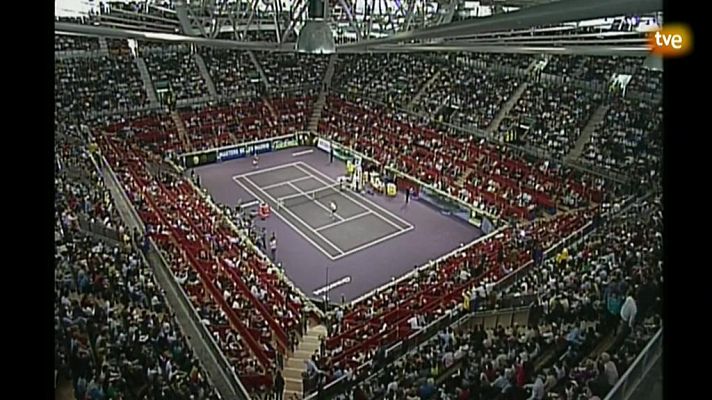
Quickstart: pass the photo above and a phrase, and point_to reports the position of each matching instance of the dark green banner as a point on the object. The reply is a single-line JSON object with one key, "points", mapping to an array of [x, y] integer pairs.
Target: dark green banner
{"points": [[195, 160]]}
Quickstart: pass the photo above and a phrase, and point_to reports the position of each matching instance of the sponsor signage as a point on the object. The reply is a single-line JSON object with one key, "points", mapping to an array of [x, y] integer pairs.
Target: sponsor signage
{"points": [[245, 150], [323, 145], [280, 144]]}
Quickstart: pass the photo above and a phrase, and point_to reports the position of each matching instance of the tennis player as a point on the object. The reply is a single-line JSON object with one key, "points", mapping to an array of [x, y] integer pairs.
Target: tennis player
{"points": [[255, 161], [333, 207]]}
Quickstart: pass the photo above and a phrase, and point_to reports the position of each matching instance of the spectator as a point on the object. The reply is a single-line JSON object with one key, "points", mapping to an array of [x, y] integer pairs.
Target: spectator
{"points": [[629, 310], [278, 386]]}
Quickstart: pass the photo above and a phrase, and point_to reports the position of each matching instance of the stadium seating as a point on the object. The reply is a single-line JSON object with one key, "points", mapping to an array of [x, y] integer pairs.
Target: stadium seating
{"points": [[242, 285], [555, 116], [647, 81], [488, 177], [575, 326], [109, 342], [180, 69], [75, 43], [86, 85], [464, 95], [401, 78], [154, 130], [232, 72], [353, 73], [629, 139], [383, 318], [244, 121], [254, 315], [598, 70], [291, 74]]}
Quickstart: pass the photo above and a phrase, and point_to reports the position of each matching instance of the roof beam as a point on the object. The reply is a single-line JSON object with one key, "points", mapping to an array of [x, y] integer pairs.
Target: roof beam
{"points": [[546, 14]]}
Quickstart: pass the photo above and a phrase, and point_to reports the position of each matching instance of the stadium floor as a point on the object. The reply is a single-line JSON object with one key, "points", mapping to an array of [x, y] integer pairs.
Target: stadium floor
{"points": [[371, 240]]}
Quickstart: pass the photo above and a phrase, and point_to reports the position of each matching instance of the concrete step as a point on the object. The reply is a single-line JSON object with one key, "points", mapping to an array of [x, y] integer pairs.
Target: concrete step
{"points": [[294, 373], [586, 133], [182, 131], [259, 69], [422, 90], [205, 74], [293, 383], [147, 83], [103, 46], [310, 339], [316, 330], [302, 354], [290, 394], [494, 125]]}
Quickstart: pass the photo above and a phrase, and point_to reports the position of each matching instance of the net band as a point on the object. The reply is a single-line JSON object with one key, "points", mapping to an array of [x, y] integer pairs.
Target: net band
{"points": [[310, 196]]}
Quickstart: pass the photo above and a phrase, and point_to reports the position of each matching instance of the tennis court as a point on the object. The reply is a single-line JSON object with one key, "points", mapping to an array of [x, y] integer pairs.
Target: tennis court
{"points": [[301, 196]]}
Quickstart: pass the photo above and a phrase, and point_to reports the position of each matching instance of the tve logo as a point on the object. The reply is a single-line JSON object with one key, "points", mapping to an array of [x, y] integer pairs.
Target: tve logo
{"points": [[671, 40]]}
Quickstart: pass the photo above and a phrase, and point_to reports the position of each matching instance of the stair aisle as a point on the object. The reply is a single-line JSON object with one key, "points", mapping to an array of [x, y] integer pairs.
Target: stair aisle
{"points": [[585, 136], [182, 131], [494, 125], [147, 83], [295, 364], [205, 74], [422, 90], [321, 100]]}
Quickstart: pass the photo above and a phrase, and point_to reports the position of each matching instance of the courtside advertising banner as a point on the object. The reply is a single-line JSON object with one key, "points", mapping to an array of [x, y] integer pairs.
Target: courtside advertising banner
{"points": [[323, 145]]}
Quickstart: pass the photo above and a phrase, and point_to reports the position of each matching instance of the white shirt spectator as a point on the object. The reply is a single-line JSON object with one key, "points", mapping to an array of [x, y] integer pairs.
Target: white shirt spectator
{"points": [[629, 310]]}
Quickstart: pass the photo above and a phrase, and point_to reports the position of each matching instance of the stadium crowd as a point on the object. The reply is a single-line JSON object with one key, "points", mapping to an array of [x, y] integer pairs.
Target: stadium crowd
{"points": [[555, 115], [252, 313], [290, 75], [242, 121], [359, 330], [89, 85], [180, 69], [628, 139], [597, 306], [115, 338], [598, 70], [492, 178], [115, 334], [401, 79], [647, 81], [464, 95], [75, 43], [232, 72]]}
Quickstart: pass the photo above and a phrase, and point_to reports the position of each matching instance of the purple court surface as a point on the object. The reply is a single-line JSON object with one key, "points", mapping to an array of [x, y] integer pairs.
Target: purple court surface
{"points": [[369, 240]]}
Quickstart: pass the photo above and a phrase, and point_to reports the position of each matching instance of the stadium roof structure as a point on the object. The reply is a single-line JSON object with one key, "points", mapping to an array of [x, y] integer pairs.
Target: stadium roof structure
{"points": [[593, 27]]}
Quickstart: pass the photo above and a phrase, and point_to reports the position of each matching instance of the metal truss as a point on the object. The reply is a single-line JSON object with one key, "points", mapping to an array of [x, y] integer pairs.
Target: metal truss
{"points": [[387, 25]]}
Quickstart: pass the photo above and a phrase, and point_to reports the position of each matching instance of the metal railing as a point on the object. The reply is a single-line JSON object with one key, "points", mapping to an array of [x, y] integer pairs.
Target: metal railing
{"points": [[629, 382]]}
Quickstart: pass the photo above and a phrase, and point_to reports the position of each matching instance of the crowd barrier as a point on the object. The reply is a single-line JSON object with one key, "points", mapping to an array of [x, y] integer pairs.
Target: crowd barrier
{"points": [[634, 375]]}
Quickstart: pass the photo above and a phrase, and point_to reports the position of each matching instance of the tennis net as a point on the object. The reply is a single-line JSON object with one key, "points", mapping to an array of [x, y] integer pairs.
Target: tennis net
{"points": [[310, 195]]}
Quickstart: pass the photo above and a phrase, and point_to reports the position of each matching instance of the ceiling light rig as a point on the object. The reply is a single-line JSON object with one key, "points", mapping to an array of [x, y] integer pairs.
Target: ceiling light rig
{"points": [[316, 36]]}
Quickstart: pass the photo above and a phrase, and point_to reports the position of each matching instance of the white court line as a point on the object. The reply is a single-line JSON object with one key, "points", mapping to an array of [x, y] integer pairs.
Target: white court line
{"points": [[299, 231], [274, 185], [409, 225], [357, 216], [250, 204], [301, 153], [327, 241], [333, 285], [377, 241], [313, 200], [259, 171]]}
